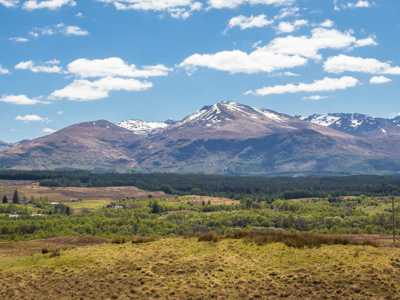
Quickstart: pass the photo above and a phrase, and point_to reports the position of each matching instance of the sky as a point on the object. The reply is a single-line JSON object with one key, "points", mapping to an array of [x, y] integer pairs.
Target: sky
{"points": [[69, 61]]}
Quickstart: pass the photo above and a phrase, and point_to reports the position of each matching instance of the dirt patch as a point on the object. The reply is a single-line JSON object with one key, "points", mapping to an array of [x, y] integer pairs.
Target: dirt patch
{"points": [[25, 248]]}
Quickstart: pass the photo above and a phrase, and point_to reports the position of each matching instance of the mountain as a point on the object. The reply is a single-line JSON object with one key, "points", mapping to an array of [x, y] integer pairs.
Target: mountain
{"points": [[142, 127], [92, 145], [4, 145], [232, 138], [224, 138], [357, 124]]}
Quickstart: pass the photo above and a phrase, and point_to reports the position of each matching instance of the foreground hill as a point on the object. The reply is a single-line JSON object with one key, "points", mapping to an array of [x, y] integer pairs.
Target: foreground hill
{"points": [[224, 138], [179, 268]]}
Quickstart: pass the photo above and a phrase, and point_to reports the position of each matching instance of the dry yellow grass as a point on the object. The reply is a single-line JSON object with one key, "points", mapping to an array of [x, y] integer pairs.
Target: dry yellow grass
{"points": [[177, 268]]}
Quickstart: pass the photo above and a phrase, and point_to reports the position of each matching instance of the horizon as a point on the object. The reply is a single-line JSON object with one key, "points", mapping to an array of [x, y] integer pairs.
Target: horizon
{"points": [[71, 62]]}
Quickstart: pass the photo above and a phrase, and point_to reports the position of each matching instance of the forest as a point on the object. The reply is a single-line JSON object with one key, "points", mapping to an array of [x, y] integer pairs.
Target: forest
{"points": [[236, 187]]}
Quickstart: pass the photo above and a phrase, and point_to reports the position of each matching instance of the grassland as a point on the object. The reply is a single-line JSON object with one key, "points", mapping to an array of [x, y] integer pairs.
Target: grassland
{"points": [[125, 243], [179, 268]]}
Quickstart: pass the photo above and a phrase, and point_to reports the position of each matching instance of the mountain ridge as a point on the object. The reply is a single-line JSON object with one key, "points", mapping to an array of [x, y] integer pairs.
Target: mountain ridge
{"points": [[223, 138]]}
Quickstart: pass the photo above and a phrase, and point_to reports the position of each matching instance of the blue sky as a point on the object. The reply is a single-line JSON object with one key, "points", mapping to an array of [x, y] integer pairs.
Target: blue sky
{"points": [[68, 61]]}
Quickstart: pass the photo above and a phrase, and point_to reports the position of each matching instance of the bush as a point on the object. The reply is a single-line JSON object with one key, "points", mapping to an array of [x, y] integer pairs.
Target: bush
{"points": [[210, 236], [295, 239]]}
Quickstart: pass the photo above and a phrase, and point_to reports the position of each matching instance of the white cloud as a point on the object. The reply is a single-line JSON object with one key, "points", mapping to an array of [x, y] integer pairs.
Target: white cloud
{"points": [[290, 11], [75, 30], [379, 80], [324, 85], [315, 97], [180, 9], [47, 4], [48, 130], [58, 29], [345, 4], [9, 3], [281, 53], [344, 63], [19, 39], [320, 39], [219, 4], [20, 100], [85, 90], [327, 23], [4, 71], [48, 67], [30, 118], [113, 66], [237, 61], [287, 27], [249, 22]]}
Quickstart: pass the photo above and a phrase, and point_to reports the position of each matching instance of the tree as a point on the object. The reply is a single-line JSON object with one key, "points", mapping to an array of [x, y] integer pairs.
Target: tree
{"points": [[5, 199], [15, 199], [155, 207]]}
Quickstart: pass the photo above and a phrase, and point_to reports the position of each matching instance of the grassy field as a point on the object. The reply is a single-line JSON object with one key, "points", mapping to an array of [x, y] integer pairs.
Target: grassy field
{"points": [[178, 268], [29, 189]]}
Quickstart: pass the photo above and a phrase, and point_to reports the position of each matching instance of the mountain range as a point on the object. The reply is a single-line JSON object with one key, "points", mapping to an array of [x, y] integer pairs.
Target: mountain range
{"points": [[224, 138]]}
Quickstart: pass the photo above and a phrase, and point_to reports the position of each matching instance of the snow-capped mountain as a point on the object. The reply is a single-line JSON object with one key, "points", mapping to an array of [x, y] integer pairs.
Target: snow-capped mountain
{"points": [[355, 123], [142, 127], [227, 119], [223, 138]]}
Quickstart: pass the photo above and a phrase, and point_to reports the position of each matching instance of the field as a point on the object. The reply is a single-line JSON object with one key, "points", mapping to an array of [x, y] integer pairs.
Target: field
{"points": [[32, 189], [179, 268], [127, 243]]}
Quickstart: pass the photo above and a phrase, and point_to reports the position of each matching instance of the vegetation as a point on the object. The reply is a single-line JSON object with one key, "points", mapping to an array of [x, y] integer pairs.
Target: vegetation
{"points": [[177, 268], [264, 188], [181, 216]]}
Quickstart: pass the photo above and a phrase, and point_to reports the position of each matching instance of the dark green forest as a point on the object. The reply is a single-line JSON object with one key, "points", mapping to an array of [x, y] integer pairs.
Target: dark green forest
{"points": [[237, 187]]}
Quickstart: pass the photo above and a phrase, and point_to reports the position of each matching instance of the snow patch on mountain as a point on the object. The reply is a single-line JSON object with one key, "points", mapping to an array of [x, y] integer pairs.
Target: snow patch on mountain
{"points": [[142, 127]]}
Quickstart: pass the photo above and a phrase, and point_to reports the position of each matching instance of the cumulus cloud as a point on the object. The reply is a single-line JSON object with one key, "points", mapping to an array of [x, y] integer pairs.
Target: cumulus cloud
{"points": [[219, 4], [30, 118], [85, 90], [4, 71], [237, 61], [244, 22], [281, 53], [20, 100], [51, 66], [344, 63], [47, 4], [9, 3], [113, 66], [288, 27], [379, 80], [58, 29], [324, 85], [180, 9], [320, 39]]}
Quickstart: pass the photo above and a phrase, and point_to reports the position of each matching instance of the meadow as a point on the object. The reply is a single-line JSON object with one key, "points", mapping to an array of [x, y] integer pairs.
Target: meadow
{"points": [[148, 245]]}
